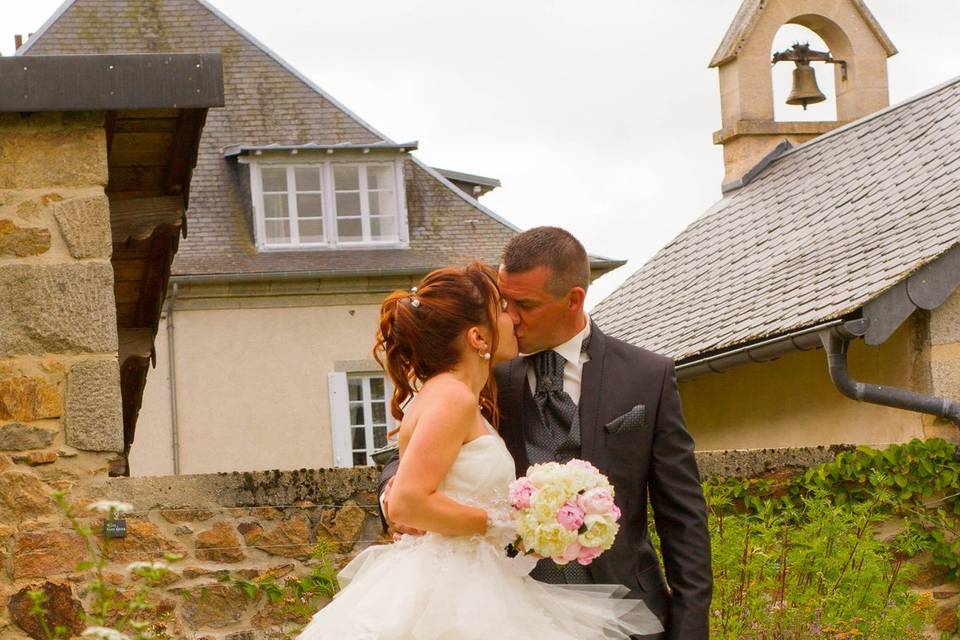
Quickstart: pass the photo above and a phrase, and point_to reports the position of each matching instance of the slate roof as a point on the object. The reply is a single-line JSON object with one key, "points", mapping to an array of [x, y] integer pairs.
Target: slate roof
{"points": [[749, 14], [268, 102], [825, 228]]}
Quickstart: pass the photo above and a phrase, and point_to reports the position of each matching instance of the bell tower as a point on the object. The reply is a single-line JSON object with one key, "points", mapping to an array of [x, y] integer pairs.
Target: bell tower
{"points": [[857, 56]]}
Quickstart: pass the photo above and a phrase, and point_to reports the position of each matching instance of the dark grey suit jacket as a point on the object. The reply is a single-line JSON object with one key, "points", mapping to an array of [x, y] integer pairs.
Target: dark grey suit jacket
{"points": [[632, 429]]}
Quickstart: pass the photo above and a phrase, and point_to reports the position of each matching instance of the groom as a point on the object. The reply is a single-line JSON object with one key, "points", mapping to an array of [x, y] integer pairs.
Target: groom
{"points": [[582, 394]]}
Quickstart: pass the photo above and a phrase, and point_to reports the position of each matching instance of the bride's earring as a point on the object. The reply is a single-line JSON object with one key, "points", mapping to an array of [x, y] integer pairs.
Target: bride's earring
{"points": [[483, 354]]}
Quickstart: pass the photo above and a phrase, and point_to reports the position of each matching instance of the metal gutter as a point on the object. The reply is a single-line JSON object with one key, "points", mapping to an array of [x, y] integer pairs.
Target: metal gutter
{"points": [[171, 365], [262, 276], [836, 347], [766, 350]]}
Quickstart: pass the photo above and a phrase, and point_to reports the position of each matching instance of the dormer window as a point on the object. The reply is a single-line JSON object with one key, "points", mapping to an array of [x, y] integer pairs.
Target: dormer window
{"points": [[325, 204]]}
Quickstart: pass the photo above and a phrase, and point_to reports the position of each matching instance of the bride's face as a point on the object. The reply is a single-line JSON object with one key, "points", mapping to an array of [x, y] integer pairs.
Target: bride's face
{"points": [[506, 340]]}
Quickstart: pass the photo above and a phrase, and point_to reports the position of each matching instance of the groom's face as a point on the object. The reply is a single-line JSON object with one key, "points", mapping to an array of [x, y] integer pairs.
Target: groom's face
{"points": [[541, 320]]}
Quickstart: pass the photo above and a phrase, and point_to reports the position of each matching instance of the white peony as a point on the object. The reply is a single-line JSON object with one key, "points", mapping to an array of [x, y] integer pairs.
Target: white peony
{"points": [[600, 532]]}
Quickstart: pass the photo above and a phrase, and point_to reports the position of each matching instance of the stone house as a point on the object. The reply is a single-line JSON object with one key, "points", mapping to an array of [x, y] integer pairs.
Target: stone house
{"points": [[832, 257], [302, 217]]}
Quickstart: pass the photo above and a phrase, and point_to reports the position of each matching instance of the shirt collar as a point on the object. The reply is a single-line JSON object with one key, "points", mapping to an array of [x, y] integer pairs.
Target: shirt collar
{"points": [[570, 350]]}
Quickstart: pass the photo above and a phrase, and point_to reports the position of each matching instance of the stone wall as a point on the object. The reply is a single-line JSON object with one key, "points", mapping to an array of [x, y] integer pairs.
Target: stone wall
{"points": [[60, 412], [944, 355], [245, 526], [258, 525]]}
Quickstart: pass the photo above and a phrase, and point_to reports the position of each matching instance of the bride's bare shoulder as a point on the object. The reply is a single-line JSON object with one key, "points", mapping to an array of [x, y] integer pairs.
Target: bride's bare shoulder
{"points": [[445, 388]]}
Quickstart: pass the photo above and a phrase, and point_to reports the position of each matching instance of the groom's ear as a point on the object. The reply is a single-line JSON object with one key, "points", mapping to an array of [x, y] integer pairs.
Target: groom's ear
{"points": [[576, 298]]}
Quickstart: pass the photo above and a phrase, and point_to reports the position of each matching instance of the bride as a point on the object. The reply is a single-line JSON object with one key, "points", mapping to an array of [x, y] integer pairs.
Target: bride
{"points": [[440, 340]]}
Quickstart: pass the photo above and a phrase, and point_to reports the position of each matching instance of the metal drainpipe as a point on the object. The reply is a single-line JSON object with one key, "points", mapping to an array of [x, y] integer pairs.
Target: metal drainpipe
{"points": [[836, 347], [174, 432]]}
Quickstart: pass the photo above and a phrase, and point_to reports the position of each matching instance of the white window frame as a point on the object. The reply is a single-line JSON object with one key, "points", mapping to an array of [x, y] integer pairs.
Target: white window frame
{"points": [[341, 431], [331, 238]]}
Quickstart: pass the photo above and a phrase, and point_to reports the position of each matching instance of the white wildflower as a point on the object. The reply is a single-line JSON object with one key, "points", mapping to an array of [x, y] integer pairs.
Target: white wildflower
{"points": [[104, 633], [147, 566], [106, 506]]}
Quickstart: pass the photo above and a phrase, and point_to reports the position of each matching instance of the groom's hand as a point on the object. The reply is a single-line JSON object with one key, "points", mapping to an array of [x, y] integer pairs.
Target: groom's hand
{"points": [[395, 528]]}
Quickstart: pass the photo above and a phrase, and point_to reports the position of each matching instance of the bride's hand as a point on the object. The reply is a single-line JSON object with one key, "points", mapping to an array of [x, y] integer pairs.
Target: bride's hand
{"points": [[532, 554], [396, 528]]}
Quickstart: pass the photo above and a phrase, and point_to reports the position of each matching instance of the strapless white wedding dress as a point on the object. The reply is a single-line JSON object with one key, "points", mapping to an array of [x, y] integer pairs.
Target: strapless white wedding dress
{"points": [[435, 587]]}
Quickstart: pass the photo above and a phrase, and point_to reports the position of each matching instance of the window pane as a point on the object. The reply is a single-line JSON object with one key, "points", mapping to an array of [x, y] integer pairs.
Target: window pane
{"points": [[379, 177], [356, 414], [274, 178], [346, 178], [278, 231], [348, 204], [355, 386], [379, 413], [275, 205], [311, 230], [379, 437], [382, 203], [359, 438], [309, 205], [383, 228], [350, 230], [308, 178], [359, 459], [376, 388]]}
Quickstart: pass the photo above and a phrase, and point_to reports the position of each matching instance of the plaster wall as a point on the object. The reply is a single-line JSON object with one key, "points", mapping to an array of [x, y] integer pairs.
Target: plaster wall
{"points": [[791, 402], [251, 387]]}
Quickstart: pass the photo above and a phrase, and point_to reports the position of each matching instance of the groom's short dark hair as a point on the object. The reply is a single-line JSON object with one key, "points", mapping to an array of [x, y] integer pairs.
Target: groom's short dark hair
{"points": [[550, 247]]}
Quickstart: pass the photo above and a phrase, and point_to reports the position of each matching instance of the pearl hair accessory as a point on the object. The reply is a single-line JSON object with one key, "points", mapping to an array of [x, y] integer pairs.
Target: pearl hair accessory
{"points": [[414, 300]]}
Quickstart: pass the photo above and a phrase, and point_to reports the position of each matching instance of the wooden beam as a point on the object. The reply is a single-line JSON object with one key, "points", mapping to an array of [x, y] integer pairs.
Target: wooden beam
{"points": [[183, 152], [139, 218], [140, 149]]}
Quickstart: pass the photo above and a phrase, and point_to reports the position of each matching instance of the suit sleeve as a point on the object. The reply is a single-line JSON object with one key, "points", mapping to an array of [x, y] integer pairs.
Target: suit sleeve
{"points": [[389, 470], [680, 516]]}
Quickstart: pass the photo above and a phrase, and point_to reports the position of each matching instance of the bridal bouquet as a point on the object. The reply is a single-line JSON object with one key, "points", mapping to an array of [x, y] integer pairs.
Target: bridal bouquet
{"points": [[565, 511]]}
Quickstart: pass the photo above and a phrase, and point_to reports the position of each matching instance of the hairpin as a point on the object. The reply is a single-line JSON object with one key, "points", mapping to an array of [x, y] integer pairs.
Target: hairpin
{"points": [[414, 300]]}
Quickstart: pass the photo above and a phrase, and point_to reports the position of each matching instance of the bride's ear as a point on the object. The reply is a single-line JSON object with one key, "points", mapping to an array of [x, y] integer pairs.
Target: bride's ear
{"points": [[476, 340]]}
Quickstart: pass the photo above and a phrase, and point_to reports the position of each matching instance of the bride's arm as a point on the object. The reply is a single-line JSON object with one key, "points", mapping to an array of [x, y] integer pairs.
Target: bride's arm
{"points": [[443, 424]]}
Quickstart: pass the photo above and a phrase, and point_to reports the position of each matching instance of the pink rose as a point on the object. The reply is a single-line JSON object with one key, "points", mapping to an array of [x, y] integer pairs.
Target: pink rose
{"points": [[615, 512], [521, 490], [587, 554], [571, 553], [582, 464], [570, 516], [595, 501]]}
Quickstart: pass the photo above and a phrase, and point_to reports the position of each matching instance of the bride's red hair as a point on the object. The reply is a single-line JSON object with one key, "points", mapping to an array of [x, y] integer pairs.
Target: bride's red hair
{"points": [[419, 332]]}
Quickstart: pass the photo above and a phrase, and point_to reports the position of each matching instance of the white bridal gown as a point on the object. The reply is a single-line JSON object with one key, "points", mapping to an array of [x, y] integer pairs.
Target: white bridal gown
{"points": [[436, 587]]}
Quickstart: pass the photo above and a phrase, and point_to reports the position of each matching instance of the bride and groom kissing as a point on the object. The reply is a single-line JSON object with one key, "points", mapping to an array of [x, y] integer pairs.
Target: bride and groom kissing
{"points": [[481, 416]]}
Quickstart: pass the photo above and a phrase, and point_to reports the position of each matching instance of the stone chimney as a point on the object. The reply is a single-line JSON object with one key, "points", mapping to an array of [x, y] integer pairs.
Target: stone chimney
{"points": [[749, 131]]}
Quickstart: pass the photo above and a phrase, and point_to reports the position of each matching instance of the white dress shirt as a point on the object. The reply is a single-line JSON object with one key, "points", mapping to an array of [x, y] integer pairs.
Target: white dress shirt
{"points": [[572, 367]]}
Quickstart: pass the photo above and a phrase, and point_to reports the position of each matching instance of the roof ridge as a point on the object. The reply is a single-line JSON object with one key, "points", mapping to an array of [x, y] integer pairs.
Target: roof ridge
{"points": [[43, 28], [222, 17]]}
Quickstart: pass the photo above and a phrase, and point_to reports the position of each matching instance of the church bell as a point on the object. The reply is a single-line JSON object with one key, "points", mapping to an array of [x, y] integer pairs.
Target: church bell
{"points": [[805, 90]]}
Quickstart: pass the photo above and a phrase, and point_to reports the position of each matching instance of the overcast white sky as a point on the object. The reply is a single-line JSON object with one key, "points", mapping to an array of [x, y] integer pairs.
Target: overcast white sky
{"points": [[596, 116]]}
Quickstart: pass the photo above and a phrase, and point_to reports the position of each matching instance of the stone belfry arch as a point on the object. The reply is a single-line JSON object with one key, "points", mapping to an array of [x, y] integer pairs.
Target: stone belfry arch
{"points": [[852, 34]]}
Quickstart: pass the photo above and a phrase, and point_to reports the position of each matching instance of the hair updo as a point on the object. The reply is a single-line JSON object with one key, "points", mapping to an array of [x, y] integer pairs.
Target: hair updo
{"points": [[420, 329]]}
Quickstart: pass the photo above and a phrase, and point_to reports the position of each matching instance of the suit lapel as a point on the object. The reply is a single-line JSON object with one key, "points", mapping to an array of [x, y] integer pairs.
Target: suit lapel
{"points": [[591, 381], [514, 434]]}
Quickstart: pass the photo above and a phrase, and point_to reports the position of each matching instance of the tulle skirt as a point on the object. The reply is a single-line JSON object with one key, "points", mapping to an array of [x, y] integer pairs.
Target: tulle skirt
{"points": [[435, 587]]}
